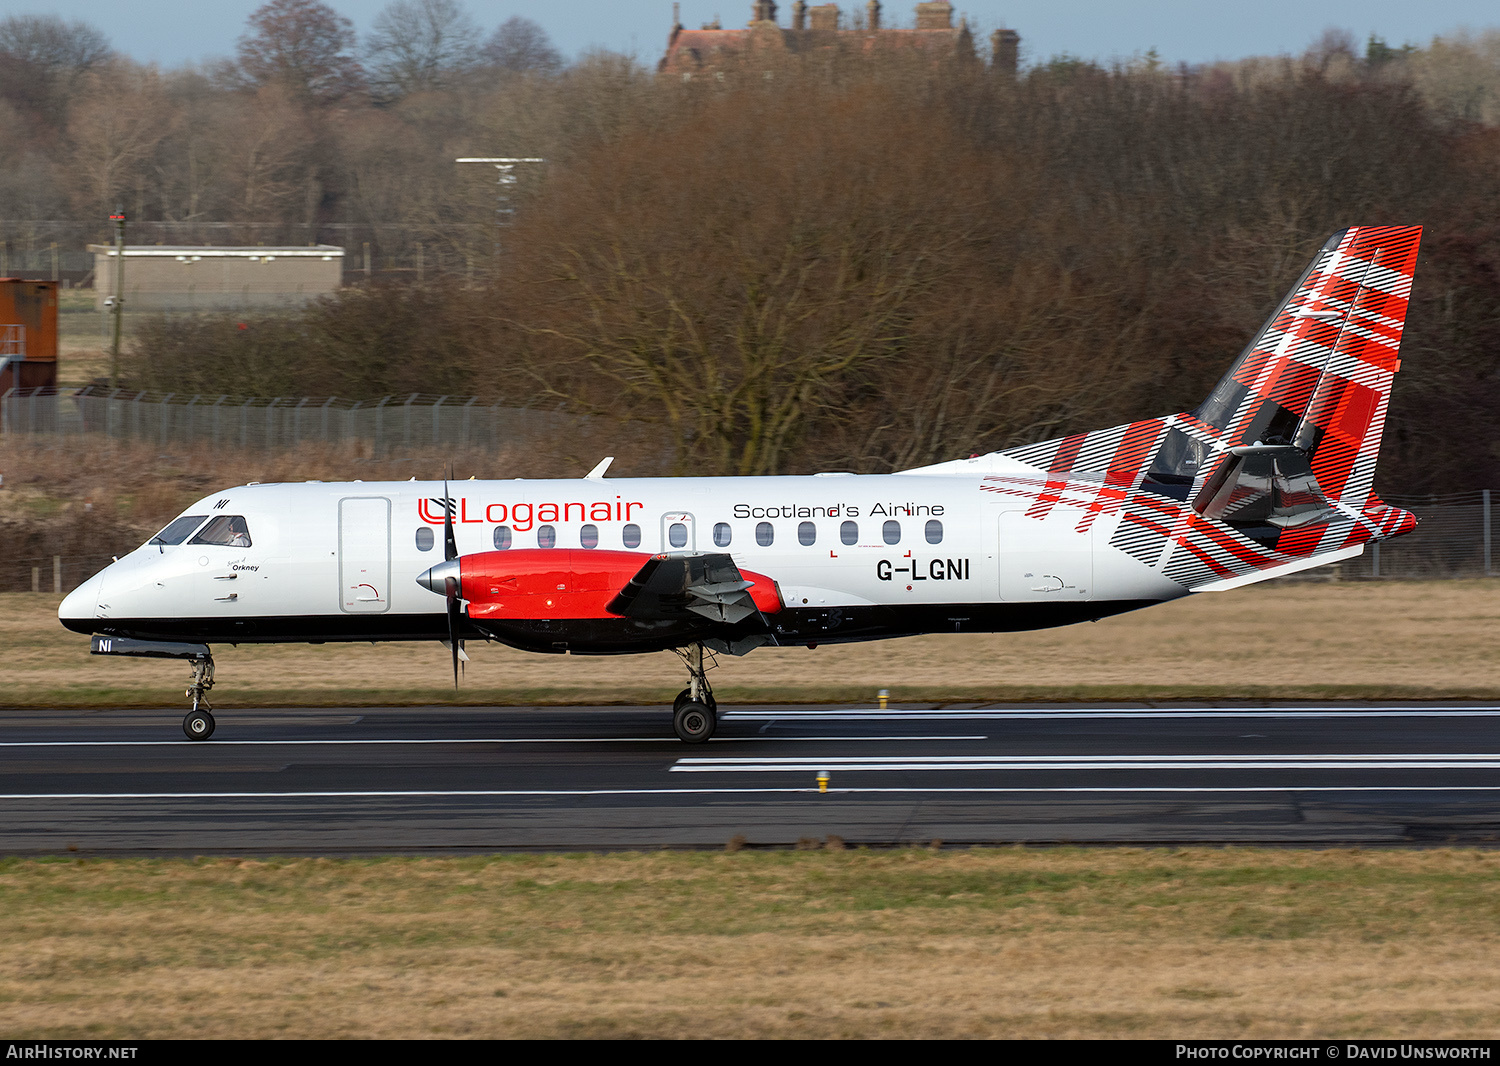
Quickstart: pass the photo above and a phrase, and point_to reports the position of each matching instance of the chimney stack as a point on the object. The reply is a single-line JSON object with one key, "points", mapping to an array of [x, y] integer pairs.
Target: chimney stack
{"points": [[937, 15], [873, 7], [765, 11], [1005, 52], [824, 16], [799, 15]]}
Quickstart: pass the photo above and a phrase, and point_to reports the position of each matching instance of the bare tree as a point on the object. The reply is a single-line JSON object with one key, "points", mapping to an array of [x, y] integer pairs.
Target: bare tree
{"points": [[520, 46], [304, 46], [265, 151], [420, 46], [1333, 54], [1459, 76], [119, 120], [732, 277], [44, 59]]}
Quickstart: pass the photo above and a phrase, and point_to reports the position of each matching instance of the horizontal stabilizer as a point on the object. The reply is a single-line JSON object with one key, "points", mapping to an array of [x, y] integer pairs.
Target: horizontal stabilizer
{"points": [[1296, 566]]}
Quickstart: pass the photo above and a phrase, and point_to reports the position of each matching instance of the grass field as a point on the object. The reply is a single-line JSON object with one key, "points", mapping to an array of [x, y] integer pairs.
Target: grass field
{"points": [[910, 943], [1411, 640]]}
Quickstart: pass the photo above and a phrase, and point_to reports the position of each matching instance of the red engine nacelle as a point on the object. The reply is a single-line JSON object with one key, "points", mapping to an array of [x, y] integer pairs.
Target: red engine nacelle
{"points": [[564, 583]]}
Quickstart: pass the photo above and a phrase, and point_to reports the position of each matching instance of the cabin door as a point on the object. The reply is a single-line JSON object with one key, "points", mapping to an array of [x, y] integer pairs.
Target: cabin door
{"points": [[364, 554]]}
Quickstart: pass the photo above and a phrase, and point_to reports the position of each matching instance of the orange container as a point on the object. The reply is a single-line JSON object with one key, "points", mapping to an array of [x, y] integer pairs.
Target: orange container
{"points": [[31, 305]]}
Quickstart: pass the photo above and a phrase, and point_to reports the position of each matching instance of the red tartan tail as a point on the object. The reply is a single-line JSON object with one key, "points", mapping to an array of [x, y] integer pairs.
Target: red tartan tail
{"points": [[1281, 456]]}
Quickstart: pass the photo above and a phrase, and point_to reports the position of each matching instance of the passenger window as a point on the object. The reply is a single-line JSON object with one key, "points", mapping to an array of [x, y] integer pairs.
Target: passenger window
{"points": [[722, 534], [934, 531], [891, 531], [807, 533], [849, 532], [546, 536], [425, 539], [632, 535], [764, 534], [178, 529], [588, 536], [677, 535], [502, 538], [228, 530]]}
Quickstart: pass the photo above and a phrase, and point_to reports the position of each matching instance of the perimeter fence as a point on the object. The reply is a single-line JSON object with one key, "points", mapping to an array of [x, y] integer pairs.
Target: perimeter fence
{"points": [[388, 425]]}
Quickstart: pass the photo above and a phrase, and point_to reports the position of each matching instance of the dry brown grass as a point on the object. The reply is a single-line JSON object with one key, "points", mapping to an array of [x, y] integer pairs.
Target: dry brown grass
{"points": [[1397, 639], [1008, 942]]}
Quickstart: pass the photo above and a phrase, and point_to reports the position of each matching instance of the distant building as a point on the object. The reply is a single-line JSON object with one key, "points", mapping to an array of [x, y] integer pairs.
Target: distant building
{"points": [[186, 278], [822, 29]]}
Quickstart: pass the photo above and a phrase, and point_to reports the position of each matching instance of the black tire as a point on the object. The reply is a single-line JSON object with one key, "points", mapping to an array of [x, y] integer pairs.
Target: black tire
{"points": [[687, 694], [198, 725], [694, 722]]}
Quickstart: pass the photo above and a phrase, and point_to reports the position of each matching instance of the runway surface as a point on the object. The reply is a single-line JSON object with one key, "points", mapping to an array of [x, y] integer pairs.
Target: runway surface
{"points": [[376, 780]]}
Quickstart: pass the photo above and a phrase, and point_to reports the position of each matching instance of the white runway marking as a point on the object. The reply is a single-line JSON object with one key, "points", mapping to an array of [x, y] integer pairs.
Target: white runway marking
{"points": [[482, 793], [1062, 715], [813, 764], [207, 745]]}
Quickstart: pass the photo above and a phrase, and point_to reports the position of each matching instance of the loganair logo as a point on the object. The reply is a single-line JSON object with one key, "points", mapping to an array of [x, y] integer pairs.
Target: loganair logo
{"points": [[433, 510], [522, 516]]}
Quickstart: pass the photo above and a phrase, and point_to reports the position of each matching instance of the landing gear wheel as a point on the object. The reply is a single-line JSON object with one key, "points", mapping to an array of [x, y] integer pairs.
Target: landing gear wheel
{"points": [[686, 696], [694, 722], [198, 725]]}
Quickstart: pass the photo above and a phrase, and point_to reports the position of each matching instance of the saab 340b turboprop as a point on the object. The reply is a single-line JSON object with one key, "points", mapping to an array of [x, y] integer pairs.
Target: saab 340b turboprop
{"points": [[1270, 475]]}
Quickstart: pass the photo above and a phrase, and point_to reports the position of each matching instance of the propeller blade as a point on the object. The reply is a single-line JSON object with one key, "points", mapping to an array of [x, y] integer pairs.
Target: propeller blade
{"points": [[450, 545], [451, 588]]}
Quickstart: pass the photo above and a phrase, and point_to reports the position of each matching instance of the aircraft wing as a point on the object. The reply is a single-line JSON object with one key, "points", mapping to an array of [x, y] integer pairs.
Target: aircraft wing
{"points": [[674, 585]]}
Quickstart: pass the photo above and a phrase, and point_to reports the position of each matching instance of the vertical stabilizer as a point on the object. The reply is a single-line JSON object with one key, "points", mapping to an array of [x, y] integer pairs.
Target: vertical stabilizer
{"points": [[1275, 468], [1316, 380]]}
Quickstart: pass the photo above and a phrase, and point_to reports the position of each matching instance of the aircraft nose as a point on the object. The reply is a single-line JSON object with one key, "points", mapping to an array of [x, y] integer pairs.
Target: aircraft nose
{"points": [[79, 607], [435, 579]]}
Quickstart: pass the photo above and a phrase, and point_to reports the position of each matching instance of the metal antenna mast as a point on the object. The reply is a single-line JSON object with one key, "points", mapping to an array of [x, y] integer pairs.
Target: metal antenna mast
{"points": [[505, 177]]}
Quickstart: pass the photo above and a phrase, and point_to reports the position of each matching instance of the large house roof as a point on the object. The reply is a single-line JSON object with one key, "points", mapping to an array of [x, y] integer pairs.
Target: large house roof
{"points": [[713, 48]]}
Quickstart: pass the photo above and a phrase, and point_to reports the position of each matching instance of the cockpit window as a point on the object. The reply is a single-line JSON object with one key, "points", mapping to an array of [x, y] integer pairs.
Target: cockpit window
{"points": [[229, 530], [177, 531]]}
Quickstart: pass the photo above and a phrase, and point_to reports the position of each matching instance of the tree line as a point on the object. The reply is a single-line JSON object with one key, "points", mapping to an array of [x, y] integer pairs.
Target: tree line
{"points": [[864, 262]]}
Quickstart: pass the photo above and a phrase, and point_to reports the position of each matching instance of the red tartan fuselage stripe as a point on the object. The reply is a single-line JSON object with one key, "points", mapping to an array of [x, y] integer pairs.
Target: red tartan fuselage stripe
{"points": [[1301, 541], [1226, 540], [1135, 448], [1207, 559], [1141, 520], [1357, 534], [1062, 464]]}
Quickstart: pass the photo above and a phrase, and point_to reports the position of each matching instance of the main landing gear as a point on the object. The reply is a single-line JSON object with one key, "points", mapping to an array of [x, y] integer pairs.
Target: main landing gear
{"points": [[199, 723], [695, 713]]}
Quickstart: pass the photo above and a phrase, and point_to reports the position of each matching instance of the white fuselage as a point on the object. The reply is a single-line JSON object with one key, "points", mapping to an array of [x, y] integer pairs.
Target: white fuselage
{"points": [[343, 558]]}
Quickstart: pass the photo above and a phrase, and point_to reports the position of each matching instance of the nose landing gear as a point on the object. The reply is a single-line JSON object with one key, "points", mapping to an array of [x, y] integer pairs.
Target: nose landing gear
{"points": [[199, 723], [695, 711]]}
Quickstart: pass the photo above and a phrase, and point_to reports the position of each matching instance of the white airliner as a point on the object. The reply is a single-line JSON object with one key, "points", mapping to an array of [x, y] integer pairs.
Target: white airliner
{"points": [[1270, 475]]}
